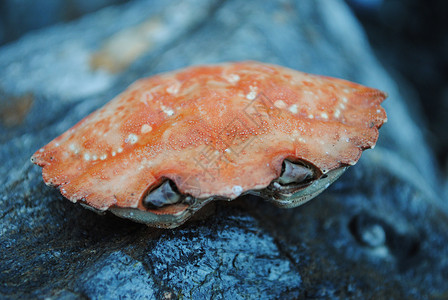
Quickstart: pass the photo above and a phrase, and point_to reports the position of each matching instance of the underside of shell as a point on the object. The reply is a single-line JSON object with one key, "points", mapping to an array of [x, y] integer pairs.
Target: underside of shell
{"points": [[185, 206]]}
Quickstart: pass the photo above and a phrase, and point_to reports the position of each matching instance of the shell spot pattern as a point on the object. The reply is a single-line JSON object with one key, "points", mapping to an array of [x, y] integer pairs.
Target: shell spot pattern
{"points": [[171, 143]]}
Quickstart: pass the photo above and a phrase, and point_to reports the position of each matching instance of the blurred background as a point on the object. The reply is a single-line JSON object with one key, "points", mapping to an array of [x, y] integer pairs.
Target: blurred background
{"points": [[410, 37]]}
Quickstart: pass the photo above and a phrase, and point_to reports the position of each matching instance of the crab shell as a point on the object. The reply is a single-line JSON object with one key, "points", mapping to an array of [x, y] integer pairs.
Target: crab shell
{"points": [[216, 132]]}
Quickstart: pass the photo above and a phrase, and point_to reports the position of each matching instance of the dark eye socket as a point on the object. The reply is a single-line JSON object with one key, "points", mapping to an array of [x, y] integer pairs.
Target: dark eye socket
{"points": [[165, 194]]}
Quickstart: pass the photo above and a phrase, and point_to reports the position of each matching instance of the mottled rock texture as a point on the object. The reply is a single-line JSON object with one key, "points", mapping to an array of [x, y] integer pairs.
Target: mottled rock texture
{"points": [[380, 231]]}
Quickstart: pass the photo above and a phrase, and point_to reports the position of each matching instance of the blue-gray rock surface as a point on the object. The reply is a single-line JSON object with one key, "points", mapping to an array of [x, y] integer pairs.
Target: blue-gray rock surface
{"points": [[379, 232]]}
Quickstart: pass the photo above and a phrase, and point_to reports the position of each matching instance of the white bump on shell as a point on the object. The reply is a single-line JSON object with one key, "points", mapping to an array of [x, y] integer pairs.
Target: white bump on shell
{"points": [[280, 104], [146, 128], [293, 108], [132, 139], [237, 190]]}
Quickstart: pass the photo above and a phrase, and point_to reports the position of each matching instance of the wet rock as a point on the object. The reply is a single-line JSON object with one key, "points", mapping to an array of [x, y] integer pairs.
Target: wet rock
{"points": [[116, 275], [379, 232], [229, 260]]}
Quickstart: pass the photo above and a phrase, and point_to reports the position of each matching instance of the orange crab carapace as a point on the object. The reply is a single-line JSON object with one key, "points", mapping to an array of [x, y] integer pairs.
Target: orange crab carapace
{"points": [[173, 142]]}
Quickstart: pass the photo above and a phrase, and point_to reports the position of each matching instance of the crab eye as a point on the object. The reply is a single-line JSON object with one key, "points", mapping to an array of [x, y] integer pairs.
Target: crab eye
{"points": [[164, 194], [294, 173]]}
